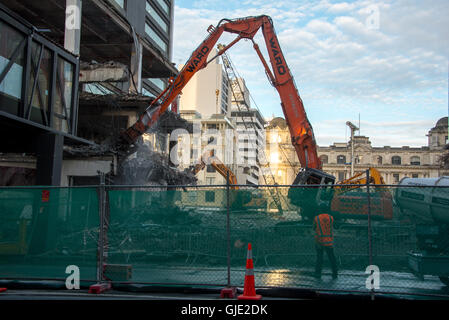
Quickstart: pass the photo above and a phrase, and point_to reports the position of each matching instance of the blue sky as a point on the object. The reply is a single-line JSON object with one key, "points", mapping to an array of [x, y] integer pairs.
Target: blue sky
{"points": [[384, 60]]}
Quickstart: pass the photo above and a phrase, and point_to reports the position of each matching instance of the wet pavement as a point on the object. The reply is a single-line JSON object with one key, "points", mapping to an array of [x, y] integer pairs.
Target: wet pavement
{"points": [[402, 283]]}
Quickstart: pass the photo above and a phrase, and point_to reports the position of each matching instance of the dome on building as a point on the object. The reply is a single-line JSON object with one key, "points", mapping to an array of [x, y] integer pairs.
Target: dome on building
{"points": [[442, 123], [277, 122]]}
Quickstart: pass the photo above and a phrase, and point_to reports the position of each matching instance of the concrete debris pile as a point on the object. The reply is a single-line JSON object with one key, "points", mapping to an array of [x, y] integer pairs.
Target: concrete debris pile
{"points": [[103, 72], [114, 100], [142, 167], [103, 118], [95, 150], [146, 167], [10, 176], [159, 210], [170, 121]]}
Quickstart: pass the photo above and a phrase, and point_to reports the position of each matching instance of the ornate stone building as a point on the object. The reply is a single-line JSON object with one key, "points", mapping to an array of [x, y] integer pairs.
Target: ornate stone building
{"points": [[394, 163]]}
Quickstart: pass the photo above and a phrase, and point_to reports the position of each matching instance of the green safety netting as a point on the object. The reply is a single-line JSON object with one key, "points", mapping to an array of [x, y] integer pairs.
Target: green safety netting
{"points": [[44, 230], [184, 236], [169, 236]]}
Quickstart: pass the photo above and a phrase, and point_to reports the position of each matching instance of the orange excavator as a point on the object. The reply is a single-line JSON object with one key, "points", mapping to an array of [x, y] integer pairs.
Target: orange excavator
{"points": [[351, 202], [280, 77], [243, 199], [209, 158]]}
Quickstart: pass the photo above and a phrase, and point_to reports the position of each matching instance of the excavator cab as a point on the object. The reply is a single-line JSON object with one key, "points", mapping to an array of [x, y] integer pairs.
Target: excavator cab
{"points": [[313, 177], [311, 189]]}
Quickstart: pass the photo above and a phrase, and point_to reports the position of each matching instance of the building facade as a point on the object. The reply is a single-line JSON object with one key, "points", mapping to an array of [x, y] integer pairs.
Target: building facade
{"points": [[118, 48], [152, 23], [208, 92], [38, 102], [251, 134], [394, 163], [206, 103], [215, 135], [213, 101], [281, 163]]}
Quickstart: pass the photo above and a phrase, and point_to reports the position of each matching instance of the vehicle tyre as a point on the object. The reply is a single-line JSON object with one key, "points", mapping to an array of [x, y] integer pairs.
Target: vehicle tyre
{"points": [[445, 280]]}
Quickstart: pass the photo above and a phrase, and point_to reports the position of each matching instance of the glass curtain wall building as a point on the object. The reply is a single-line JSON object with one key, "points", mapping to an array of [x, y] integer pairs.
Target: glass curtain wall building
{"points": [[37, 78], [158, 29], [152, 19]]}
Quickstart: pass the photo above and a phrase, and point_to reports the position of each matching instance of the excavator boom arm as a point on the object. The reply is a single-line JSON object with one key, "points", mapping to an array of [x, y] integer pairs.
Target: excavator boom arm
{"points": [[300, 128], [209, 158], [280, 76], [359, 179]]}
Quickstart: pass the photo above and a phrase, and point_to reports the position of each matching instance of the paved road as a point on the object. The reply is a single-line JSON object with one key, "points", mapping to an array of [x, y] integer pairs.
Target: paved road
{"points": [[393, 282]]}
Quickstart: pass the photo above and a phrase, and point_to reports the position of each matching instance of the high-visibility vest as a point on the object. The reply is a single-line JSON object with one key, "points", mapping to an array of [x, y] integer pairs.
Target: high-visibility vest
{"points": [[324, 233]]}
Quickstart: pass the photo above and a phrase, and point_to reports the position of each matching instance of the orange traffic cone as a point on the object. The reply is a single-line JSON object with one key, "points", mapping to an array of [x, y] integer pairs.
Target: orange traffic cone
{"points": [[249, 290]]}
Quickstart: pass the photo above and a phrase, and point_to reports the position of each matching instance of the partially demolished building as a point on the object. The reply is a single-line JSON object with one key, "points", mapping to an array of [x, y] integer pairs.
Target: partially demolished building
{"points": [[67, 91]]}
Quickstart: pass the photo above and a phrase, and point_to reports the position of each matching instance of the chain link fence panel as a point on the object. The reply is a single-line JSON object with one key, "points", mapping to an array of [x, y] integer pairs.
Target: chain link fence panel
{"points": [[388, 239], [44, 230]]}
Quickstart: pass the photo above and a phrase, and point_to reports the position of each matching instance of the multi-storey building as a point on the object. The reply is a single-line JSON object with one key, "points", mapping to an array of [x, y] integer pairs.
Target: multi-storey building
{"points": [[281, 159], [152, 23], [251, 134], [206, 103], [208, 92], [215, 135], [394, 163], [45, 45]]}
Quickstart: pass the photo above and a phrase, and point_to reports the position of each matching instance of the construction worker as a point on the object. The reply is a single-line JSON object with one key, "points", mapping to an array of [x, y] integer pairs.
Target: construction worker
{"points": [[323, 225]]}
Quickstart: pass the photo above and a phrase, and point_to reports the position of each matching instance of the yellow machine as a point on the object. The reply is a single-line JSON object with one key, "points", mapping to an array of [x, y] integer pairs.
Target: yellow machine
{"points": [[349, 203], [217, 164], [360, 179], [245, 198]]}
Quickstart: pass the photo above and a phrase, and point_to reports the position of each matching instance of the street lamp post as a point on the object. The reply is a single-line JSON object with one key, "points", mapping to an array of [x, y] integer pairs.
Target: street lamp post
{"points": [[353, 129]]}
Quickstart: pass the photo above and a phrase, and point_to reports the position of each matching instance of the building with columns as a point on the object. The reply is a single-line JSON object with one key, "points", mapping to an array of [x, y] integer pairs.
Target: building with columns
{"points": [[394, 163]]}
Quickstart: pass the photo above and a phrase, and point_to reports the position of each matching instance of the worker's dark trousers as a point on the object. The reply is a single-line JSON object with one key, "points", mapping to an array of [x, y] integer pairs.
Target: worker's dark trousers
{"points": [[319, 259]]}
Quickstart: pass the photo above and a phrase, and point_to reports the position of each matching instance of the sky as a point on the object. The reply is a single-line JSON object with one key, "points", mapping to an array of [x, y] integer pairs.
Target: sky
{"points": [[383, 62]]}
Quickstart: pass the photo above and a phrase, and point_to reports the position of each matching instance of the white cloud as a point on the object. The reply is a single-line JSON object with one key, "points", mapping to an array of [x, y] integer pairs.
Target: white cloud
{"points": [[394, 134], [341, 7], [321, 27], [341, 65]]}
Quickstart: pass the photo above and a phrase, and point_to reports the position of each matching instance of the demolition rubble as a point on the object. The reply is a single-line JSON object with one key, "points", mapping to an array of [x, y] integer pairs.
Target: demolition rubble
{"points": [[136, 164]]}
